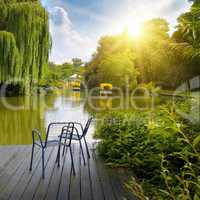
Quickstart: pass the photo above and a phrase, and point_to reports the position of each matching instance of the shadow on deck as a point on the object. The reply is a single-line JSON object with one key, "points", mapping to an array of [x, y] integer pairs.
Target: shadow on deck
{"points": [[94, 181]]}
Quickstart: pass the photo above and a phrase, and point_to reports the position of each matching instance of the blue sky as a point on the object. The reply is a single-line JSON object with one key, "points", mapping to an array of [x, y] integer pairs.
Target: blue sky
{"points": [[77, 25]]}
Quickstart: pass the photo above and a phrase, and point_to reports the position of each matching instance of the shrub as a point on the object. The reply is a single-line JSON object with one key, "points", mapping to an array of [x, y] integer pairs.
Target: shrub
{"points": [[158, 147]]}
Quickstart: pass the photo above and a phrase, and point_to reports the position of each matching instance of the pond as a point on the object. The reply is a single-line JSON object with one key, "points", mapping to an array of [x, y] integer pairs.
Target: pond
{"points": [[19, 115]]}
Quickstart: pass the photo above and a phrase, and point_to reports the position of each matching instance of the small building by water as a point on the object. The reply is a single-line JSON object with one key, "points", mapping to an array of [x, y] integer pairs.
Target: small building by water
{"points": [[74, 82]]}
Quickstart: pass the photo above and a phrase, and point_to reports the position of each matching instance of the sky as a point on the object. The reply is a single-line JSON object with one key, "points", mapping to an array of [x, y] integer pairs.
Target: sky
{"points": [[77, 25]]}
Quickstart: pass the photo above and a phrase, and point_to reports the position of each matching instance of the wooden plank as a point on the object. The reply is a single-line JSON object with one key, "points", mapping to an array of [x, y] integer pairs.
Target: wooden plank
{"points": [[4, 149], [63, 192], [10, 146], [26, 177], [9, 171], [118, 178], [75, 184], [116, 185], [15, 155], [86, 184], [104, 178], [16, 177], [7, 156], [54, 182], [42, 187], [97, 188], [35, 180], [95, 181]]}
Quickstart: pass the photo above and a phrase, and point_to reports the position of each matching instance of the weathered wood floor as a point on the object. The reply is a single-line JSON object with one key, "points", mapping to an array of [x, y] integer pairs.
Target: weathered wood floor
{"points": [[94, 181]]}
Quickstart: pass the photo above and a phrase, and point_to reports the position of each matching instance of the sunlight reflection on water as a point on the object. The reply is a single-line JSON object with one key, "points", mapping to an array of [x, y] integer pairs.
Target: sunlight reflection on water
{"points": [[16, 126]]}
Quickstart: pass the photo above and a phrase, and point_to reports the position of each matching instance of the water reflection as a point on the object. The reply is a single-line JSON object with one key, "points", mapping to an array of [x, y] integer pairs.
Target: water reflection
{"points": [[39, 111], [16, 126]]}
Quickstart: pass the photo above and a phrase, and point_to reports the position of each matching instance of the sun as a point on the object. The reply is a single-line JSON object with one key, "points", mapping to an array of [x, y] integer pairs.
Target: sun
{"points": [[134, 29], [132, 23]]}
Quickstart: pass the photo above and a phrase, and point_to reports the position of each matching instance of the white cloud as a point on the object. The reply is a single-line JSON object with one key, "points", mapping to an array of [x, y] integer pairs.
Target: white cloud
{"points": [[139, 11], [168, 9], [67, 42]]}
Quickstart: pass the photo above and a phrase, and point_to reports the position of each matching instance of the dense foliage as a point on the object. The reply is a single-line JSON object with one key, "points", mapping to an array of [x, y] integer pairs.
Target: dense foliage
{"points": [[157, 55], [57, 75], [77, 62], [113, 62], [161, 148], [24, 42]]}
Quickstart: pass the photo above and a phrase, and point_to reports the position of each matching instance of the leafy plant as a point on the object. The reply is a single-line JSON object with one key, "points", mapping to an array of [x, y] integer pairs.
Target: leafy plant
{"points": [[158, 146]]}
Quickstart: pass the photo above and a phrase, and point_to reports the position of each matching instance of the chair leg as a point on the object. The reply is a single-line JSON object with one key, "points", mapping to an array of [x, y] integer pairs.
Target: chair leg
{"points": [[58, 156], [64, 147], [82, 152], [73, 169], [42, 163], [88, 153], [33, 147]]}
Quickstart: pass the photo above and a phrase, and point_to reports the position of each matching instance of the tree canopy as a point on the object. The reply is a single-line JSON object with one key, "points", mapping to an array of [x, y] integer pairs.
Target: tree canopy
{"points": [[113, 62], [157, 55], [77, 62], [24, 41]]}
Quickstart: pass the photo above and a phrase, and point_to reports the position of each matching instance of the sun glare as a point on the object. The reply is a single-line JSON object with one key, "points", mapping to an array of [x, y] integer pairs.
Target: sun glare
{"points": [[133, 22], [134, 29]]}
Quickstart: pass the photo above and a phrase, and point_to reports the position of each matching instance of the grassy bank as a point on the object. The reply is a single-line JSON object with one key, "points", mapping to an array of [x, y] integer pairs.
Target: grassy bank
{"points": [[161, 147]]}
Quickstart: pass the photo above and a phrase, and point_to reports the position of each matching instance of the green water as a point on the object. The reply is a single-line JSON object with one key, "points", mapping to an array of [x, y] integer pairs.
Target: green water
{"points": [[19, 115]]}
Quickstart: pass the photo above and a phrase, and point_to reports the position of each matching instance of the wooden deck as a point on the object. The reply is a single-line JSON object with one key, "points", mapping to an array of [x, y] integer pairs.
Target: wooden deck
{"points": [[94, 181]]}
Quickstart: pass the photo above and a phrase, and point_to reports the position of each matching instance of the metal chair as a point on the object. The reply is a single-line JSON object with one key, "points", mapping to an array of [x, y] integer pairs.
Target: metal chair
{"points": [[48, 142], [79, 136], [66, 130]]}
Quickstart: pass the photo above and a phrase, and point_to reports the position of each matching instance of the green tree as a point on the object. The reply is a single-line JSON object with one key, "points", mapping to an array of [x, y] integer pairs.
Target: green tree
{"points": [[188, 29], [25, 39], [57, 73], [187, 40], [77, 62], [161, 58], [194, 1], [113, 62], [156, 28], [152, 58], [117, 69]]}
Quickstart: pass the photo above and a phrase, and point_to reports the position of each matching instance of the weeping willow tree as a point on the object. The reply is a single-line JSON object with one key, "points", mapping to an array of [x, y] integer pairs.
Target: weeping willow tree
{"points": [[24, 42]]}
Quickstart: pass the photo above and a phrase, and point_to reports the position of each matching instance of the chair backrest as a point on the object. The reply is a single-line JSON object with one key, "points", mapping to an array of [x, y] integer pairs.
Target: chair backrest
{"points": [[85, 130], [54, 129], [67, 133]]}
